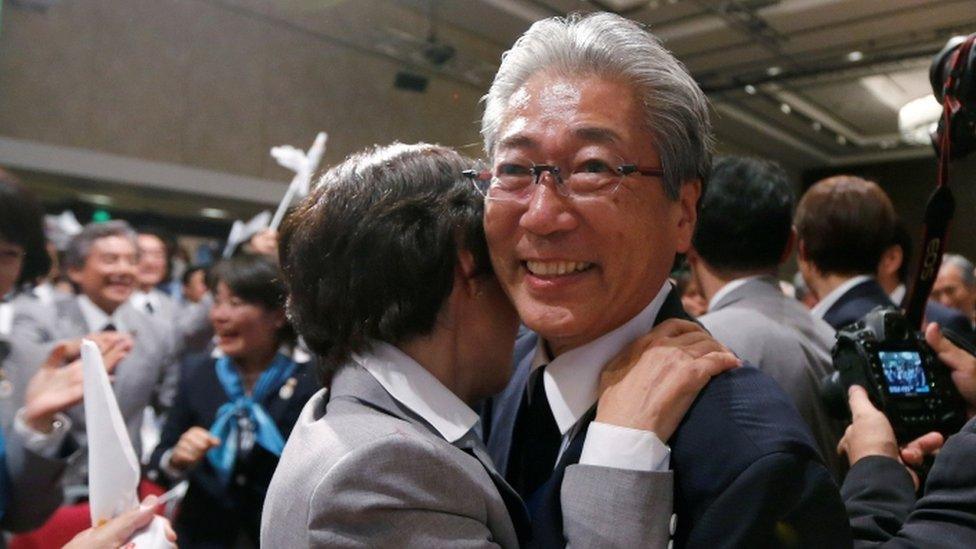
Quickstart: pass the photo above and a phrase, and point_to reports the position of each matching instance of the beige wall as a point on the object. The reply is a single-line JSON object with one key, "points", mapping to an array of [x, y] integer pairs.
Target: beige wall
{"points": [[195, 83]]}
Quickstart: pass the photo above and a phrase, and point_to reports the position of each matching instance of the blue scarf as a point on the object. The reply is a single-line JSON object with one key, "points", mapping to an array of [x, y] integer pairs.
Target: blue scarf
{"points": [[225, 426]]}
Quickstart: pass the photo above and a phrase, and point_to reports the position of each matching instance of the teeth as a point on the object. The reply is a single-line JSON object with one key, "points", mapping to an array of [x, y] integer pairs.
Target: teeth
{"points": [[550, 268]]}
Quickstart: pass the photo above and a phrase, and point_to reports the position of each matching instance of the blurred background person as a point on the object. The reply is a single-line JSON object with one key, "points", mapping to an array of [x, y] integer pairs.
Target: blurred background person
{"points": [[692, 299], [233, 412], [194, 283], [744, 233], [955, 285]]}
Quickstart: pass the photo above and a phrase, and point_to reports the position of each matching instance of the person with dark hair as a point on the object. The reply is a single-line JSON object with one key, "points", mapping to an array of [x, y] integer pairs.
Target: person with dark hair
{"points": [[233, 413], [101, 262], [843, 225], [21, 235], [744, 233], [390, 281], [194, 283]]}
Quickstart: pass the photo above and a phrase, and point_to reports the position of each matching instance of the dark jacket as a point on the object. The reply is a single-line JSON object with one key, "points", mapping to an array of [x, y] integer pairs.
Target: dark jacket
{"points": [[210, 514]]}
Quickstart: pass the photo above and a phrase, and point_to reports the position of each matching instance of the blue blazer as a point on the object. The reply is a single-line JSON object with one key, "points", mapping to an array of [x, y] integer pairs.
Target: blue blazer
{"points": [[210, 514], [747, 473]]}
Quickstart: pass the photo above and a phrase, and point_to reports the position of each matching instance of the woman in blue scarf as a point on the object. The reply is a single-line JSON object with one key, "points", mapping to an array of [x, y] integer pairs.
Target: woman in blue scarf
{"points": [[234, 411]]}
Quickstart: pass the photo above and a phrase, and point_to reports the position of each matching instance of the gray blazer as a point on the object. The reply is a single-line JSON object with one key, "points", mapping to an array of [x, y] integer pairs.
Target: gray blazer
{"points": [[360, 470], [778, 334], [189, 321], [147, 376]]}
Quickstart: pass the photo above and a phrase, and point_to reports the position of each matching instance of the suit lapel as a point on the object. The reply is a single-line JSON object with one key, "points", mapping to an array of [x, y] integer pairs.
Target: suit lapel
{"points": [[504, 408]]}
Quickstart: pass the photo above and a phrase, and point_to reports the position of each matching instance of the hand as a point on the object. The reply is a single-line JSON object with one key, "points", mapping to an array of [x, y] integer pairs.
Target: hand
{"points": [[870, 432], [651, 384], [116, 532], [961, 363], [57, 387], [191, 448], [265, 242], [914, 453]]}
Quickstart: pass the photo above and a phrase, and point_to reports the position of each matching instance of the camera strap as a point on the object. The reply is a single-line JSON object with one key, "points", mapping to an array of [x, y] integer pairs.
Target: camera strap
{"points": [[941, 205]]}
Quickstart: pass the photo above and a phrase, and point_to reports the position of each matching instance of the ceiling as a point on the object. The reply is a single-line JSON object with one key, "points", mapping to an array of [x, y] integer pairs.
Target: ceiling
{"points": [[811, 83]]}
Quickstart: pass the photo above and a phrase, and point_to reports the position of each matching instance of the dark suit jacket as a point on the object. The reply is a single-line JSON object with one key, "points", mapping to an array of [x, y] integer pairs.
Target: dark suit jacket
{"points": [[747, 472], [210, 514], [881, 502], [861, 299]]}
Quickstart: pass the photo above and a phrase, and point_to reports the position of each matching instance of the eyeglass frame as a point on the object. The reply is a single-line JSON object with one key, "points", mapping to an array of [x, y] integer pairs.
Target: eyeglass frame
{"points": [[623, 170]]}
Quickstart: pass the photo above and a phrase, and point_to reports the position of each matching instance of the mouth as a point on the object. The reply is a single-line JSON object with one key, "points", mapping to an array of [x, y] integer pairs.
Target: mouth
{"points": [[552, 269], [120, 283]]}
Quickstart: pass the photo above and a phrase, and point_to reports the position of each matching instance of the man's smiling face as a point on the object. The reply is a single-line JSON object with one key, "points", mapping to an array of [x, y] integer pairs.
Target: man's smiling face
{"points": [[577, 269]]}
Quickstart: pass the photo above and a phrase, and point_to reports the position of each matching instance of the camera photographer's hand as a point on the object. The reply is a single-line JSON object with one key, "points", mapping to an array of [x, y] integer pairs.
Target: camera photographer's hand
{"points": [[651, 384], [962, 364]]}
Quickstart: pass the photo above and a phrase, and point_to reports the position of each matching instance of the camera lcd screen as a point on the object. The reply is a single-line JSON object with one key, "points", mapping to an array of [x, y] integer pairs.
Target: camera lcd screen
{"points": [[904, 373]]}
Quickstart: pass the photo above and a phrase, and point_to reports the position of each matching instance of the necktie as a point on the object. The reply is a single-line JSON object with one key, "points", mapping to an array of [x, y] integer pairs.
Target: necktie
{"points": [[535, 442], [109, 328]]}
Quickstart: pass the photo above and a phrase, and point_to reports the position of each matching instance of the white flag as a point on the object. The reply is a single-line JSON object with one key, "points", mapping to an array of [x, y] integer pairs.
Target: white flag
{"points": [[304, 165]]}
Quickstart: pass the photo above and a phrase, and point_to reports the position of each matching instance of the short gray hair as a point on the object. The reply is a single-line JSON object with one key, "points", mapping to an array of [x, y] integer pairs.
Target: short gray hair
{"points": [[80, 245], [604, 44], [965, 267]]}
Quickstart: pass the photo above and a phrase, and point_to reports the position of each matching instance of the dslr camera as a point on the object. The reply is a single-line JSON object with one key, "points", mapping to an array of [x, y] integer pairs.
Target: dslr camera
{"points": [[902, 376]]}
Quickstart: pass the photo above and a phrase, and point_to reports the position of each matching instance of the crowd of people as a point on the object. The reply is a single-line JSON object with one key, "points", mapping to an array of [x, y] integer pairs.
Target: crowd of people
{"points": [[437, 352]]}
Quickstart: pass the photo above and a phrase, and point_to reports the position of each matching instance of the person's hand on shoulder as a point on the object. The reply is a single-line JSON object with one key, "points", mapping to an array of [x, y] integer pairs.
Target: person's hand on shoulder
{"points": [[652, 384]]}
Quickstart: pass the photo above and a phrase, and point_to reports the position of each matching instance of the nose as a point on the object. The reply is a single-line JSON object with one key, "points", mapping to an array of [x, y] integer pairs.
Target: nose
{"points": [[547, 211]]}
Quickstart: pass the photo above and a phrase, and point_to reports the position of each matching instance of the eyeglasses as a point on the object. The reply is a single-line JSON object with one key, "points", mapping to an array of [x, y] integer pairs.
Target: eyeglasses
{"points": [[514, 180]]}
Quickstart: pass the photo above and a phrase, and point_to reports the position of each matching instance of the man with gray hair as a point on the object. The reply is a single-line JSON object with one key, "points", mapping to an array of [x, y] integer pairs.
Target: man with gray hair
{"points": [[101, 263], [955, 285], [599, 143]]}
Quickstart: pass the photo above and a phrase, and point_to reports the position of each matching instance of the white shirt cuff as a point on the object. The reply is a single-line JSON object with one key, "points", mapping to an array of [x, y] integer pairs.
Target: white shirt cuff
{"points": [[173, 473], [619, 447], [43, 444]]}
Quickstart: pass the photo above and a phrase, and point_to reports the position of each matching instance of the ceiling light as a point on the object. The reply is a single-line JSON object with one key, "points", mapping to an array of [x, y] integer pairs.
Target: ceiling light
{"points": [[100, 199], [750, 89], [215, 213], [774, 71], [841, 140], [785, 108], [918, 118], [817, 126], [855, 56]]}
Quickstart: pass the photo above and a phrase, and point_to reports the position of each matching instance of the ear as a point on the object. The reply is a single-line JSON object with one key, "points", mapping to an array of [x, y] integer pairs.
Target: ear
{"points": [[801, 248], [75, 275], [790, 244], [464, 273], [891, 260], [688, 196]]}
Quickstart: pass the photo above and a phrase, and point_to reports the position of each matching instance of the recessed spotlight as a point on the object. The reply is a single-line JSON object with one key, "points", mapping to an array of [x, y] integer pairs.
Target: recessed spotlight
{"points": [[750, 89], [100, 199], [817, 126], [841, 140], [886, 144], [215, 213], [855, 56], [774, 71], [785, 108]]}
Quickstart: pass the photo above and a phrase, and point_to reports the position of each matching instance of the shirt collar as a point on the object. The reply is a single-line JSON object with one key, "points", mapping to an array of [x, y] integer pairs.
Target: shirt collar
{"points": [[572, 380], [96, 318], [828, 301], [414, 387], [729, 288], [897, 294]]}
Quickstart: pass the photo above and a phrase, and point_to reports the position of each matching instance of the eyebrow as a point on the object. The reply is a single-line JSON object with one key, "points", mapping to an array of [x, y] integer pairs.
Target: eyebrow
{"points": [[590, 134]]}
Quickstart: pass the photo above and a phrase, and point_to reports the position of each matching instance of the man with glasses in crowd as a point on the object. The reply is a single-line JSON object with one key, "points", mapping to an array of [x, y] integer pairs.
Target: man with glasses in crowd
{"points": [[599, 144]]}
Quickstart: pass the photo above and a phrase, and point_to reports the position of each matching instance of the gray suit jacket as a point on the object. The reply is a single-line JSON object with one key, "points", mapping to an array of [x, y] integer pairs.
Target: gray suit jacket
{"points": [[190, 322], [147, 376], [360, 470], [780, 336]]}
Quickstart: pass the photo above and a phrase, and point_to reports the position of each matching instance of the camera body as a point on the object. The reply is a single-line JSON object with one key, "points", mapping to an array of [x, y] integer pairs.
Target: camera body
{"points": [[902, 376]]}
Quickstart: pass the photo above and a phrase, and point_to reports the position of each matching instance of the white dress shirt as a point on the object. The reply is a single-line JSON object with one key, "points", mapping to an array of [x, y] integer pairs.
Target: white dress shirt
{"points": [[824, 305], [897, 294], [413, 386], [96, 319], [572, 382], [140, 299]]}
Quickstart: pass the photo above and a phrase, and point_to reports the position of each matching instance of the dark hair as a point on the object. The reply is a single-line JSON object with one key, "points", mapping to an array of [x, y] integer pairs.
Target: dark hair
{"points": [[845, 224], [22, 223], [255, 278], [188, 273], [903, 239], [169, 245], [746, 215], [371, 253], [76, 254]]}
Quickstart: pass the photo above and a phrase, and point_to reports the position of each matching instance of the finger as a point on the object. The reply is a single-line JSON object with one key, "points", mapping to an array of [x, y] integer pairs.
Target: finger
{"points": [[58, 355], [857, 399], [716, 362], [698, 345], [674, 327], [121, 528], [935, 339], [115, 354], [925, 445]]}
